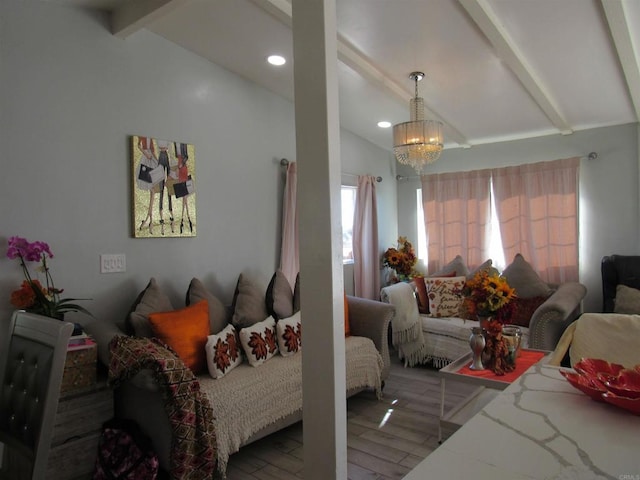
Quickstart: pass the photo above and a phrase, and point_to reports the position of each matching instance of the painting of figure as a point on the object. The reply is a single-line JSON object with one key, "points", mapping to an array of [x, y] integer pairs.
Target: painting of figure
{"points": [[164, 192]]}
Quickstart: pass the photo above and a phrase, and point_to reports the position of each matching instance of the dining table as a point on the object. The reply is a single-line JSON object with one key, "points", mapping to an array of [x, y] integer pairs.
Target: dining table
{"points": [[540, 427]]}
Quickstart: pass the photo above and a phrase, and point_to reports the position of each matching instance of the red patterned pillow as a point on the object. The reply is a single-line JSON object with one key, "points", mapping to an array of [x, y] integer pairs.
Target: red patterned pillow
{"points": [[289, 335], [259, 341], [223, 352], [524, 308]]}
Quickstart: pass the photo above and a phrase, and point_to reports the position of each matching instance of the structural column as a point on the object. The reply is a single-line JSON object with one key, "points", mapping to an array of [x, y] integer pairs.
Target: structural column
{"points": [[320, 230]]}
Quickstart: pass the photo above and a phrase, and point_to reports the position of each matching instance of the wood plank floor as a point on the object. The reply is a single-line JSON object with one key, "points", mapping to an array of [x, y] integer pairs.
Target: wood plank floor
{"points": [[385, 438]]}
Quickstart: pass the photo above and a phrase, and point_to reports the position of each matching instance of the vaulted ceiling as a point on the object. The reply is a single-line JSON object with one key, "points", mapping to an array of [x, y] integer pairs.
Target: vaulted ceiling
{"points": [[495, 69]]}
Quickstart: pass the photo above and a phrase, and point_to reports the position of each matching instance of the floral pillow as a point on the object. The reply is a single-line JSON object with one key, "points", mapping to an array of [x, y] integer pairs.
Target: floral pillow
{"points": [[223, 352], [445, 295], [259, 341], [289, 332]]}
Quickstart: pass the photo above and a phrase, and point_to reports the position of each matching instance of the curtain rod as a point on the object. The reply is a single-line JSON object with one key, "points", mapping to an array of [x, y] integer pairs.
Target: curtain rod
{"points": [[284, 162], [589, 156]]}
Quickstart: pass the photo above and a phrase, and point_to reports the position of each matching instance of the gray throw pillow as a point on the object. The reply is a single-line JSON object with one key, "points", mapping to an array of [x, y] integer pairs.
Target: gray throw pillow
{"points": [[279, 296], [457, 267], [296, 294], [486, 265], [248, 304], [627, 300], [521, 276], [217, 312], [151, 300]]}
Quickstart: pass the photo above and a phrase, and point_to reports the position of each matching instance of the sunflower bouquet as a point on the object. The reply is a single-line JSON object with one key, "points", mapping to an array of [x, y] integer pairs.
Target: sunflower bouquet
{"points": [[487, 294], [402, 259]]}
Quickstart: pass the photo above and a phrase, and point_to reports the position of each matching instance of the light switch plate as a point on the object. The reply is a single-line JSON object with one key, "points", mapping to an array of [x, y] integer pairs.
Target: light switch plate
{"points": [[113, 263]]}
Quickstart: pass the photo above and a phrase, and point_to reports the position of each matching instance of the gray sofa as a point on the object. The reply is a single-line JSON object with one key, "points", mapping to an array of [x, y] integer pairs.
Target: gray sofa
{"points": [[551, 319], [141, 399], [446, 339]]}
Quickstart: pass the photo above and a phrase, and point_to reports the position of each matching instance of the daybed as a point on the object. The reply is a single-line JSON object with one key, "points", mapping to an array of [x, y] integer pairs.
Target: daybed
{"points": [[545, 312], [250, 402]]}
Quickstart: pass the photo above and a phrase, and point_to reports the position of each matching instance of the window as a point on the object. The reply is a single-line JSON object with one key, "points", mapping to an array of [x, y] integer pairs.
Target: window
{"points": [[497, 213], [348, 207], [496, 253]]}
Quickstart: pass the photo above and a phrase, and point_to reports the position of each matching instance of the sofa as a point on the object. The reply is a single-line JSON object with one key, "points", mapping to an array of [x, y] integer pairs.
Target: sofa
{"points": [[248, 402], [543, 310]]}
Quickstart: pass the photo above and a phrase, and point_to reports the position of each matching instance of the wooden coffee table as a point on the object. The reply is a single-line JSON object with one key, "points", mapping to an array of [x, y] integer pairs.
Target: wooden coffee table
{"points": [[489, 385]]}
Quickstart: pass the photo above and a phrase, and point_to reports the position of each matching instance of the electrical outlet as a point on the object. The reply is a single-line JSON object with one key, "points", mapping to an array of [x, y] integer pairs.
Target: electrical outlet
{"points": [[113, 263]]}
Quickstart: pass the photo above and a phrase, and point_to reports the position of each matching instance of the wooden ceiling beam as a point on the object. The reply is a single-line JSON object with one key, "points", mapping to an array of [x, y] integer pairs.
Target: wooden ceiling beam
{"points": [[508, 51], [620, 24]]}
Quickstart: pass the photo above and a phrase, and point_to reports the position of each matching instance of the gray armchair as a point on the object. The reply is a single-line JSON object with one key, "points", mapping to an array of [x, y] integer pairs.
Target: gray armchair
{"points": [[33, 357]]}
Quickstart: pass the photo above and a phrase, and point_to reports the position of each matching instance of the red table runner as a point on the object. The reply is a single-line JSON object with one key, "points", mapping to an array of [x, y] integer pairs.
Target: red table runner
{"points": [[523, 362]]}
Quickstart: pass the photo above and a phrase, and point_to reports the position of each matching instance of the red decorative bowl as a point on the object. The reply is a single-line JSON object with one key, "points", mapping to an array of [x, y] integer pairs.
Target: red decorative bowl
{"points": [[595, 389], [591, 367], [630, 404], [625, 384]]}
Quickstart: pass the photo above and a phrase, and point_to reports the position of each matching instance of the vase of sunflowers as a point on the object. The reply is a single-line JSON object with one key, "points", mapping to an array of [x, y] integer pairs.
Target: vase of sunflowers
{"points": [[402, 259], [488, 296]]}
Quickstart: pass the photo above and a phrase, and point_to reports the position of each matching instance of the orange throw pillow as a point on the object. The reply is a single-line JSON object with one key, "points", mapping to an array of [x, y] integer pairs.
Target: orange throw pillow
{"points": [[347, 326], [186, 331]]}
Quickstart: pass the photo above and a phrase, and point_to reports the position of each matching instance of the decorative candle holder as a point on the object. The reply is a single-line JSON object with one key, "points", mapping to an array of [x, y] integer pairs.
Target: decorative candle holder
{"points": [[512, 336]]}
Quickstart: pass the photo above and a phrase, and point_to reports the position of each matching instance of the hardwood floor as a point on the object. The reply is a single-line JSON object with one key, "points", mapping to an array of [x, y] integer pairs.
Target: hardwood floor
{"points": [[385, 439]]}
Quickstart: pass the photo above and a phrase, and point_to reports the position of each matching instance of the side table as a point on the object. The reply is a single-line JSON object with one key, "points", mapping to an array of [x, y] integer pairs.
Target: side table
{"points": [[489, 385], [77, 430]]}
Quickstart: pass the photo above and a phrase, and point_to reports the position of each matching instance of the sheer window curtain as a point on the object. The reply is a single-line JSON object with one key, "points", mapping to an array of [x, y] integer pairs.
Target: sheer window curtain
{"points": [[537, 205], [289, 255], [457, 217], [366, 257]]}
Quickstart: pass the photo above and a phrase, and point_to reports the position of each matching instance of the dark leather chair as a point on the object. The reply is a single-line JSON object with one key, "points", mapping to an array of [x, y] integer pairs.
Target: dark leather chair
{"points": [[616, 270], [32, 363]]}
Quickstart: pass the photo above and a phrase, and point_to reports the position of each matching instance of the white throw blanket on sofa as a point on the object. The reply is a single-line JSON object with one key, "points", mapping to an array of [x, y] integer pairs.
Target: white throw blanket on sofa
{"points": [[406, 326], [248, 399]]}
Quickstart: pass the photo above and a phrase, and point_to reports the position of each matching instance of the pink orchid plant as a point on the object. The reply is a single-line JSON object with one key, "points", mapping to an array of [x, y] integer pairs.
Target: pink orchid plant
{"points": [[32, 295]]}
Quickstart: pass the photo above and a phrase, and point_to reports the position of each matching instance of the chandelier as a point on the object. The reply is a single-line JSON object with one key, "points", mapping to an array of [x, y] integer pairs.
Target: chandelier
{"points": [[419, 141]]}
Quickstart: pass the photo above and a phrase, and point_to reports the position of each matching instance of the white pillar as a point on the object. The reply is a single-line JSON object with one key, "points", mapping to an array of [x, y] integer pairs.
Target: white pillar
{"points": [[320, 233]]}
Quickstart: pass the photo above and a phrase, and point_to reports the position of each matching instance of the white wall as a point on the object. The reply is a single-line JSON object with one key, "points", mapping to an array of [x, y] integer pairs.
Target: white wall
{"points": [[71, 94], [609, 190]]}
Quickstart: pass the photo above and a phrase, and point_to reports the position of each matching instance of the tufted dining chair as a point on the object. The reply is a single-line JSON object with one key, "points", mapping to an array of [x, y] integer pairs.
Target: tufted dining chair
{"points": [[31, 366]]}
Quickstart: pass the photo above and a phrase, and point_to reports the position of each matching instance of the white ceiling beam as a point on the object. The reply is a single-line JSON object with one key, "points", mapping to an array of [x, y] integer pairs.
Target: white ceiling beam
{"points": [[507, 50], [358, 62], [354, 59], [617, 13], [133, 16]]}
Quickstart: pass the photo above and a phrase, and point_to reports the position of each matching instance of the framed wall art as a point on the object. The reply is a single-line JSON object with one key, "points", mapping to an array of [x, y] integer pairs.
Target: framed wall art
{"points": [[164, 188]]}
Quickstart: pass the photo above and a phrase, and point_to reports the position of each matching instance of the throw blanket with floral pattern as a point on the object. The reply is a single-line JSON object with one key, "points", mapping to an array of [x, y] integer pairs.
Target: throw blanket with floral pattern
{"points": [[193, 451]]}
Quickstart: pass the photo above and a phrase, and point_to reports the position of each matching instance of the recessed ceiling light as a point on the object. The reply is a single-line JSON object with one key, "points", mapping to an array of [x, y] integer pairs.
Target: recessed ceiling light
{"points": [[384, 124], [276, 60]]}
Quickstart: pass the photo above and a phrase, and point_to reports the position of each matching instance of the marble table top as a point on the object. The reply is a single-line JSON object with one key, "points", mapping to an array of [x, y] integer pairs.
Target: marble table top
{"points": [[540, 427]]}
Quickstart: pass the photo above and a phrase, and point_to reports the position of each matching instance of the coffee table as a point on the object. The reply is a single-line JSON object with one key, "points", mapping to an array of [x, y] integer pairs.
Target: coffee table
{"points": [[489, 385]]}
